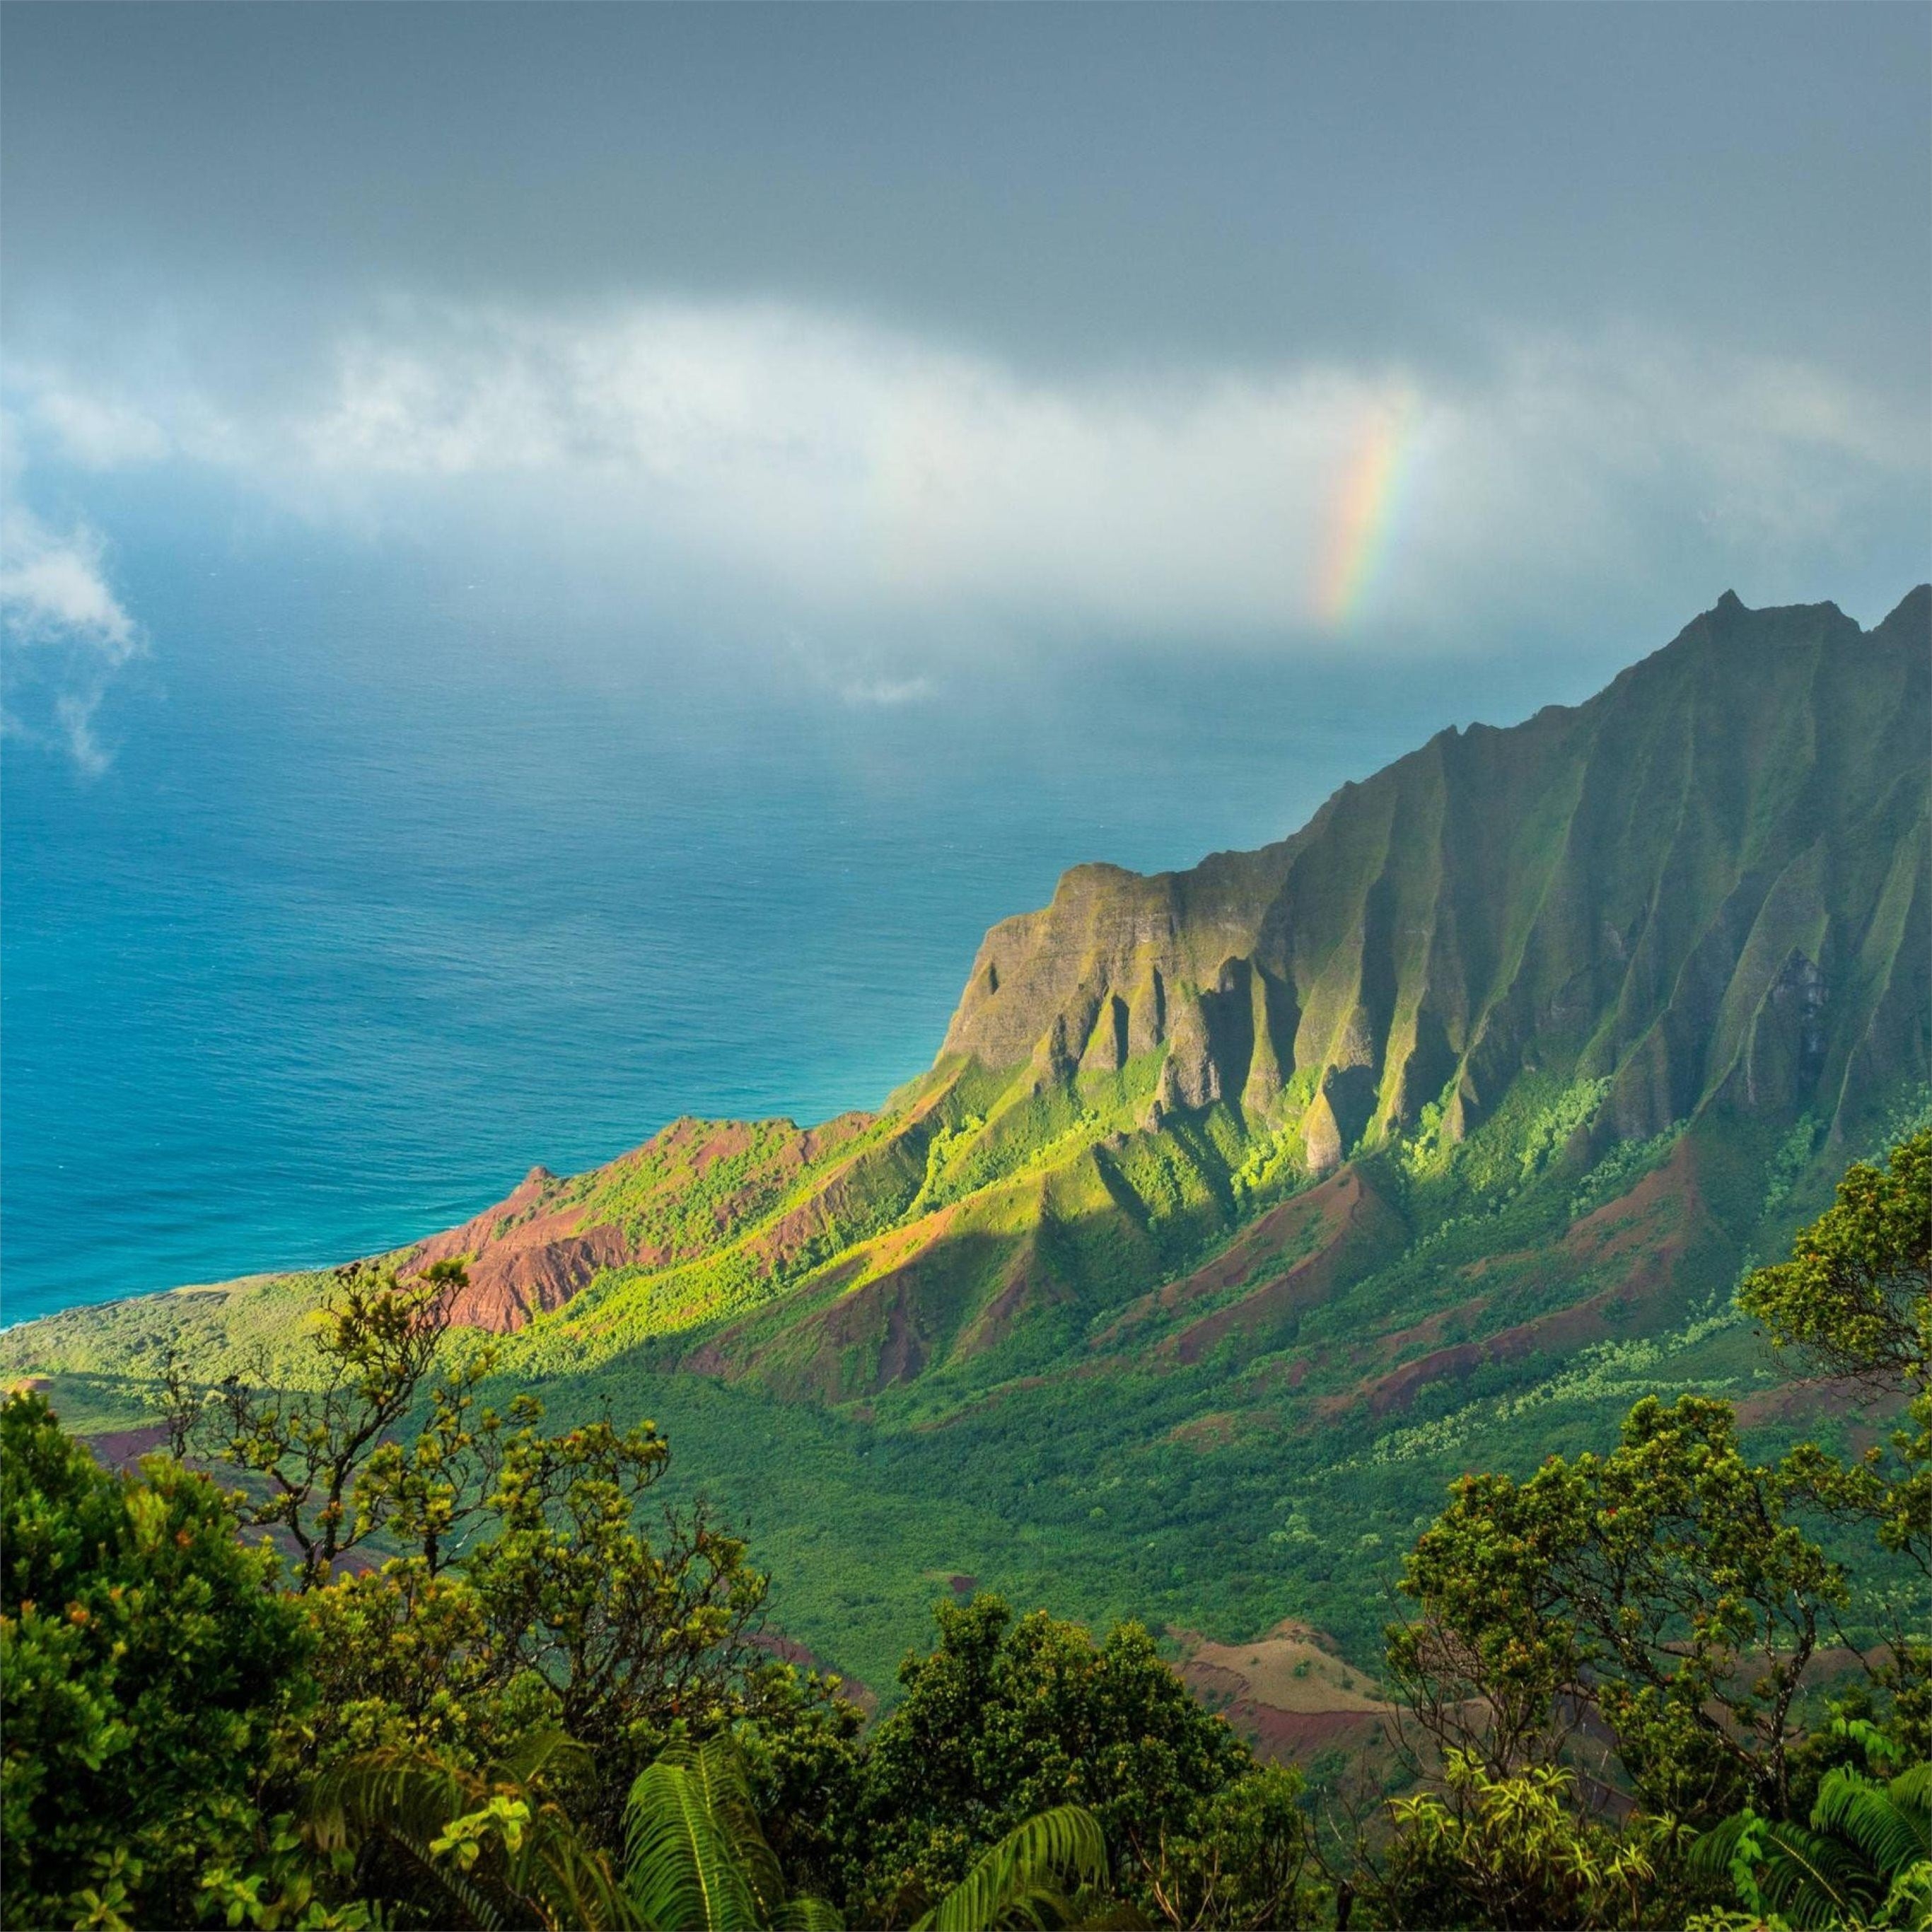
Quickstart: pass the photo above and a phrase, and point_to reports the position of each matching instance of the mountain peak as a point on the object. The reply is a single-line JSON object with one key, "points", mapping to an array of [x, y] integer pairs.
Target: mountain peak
{"points": [[1404, 950], [1912, 617]]}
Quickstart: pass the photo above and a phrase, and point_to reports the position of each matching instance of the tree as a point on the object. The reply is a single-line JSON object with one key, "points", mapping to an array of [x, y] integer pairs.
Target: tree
{"points": [[147, 1659], [1516, 1851], [405, 1660], [1005, 1720], [531, 1599], [639, 1640], [1663, 1586], [1243, 1860], [562, 1614], [311, 1450], [803, 1754], [1855, 1299], [1856, 1295]]}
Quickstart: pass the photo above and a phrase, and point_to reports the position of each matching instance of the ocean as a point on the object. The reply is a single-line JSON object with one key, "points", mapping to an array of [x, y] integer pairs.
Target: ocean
{"points": [[395, 886]]}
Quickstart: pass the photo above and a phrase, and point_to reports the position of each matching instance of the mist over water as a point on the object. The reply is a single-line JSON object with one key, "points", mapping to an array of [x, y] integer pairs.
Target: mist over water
{"points": [[391, 890]]}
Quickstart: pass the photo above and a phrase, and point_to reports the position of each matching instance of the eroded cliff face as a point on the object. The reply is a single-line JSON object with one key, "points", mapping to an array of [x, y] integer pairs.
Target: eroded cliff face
{"points": [[1708, 882]]}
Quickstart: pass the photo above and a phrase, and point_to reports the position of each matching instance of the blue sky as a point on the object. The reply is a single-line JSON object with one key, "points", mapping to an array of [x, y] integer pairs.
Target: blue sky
{"points": [[914, 341]]}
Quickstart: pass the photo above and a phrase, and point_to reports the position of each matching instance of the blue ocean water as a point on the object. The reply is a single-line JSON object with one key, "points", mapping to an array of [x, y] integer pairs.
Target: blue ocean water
{"points": [[391, 891]]}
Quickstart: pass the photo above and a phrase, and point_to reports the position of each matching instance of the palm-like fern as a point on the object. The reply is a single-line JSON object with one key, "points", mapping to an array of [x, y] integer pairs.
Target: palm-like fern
{"points": [[483, 1849], [696, 1861], [1866, 1860], [695, 1858], [1041, 1874]]}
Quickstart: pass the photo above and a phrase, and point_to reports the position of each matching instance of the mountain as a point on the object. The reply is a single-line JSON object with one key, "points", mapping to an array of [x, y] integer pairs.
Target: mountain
{"points": [[1504, 1064]]}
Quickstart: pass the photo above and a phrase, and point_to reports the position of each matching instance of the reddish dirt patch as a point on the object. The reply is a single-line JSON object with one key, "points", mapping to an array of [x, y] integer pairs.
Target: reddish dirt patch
{"points": [[1802, 1401], [789, 1650], [1640, 1241], [1428, 1333], [1287, 1691], [1356, 1226], [1215, 1430], [1336, 1226], [526, 1256], [532, 1252], [1291, 1736], [1562, 1329], [121, 1449]]}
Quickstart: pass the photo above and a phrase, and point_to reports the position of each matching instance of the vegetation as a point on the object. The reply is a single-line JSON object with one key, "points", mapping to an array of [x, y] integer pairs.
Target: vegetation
{"points": [[1244, 1210], [1866, 1859], [535, 1712], [149, 1667]]}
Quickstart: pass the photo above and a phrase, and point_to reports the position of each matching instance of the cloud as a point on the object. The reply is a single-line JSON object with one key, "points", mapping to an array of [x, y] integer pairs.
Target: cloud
{"points": [[887, 693], [97, 433], [842, 474], [66, 632]]}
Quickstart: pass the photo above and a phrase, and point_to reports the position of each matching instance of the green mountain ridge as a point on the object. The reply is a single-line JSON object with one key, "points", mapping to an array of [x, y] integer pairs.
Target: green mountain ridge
{"points": [[1233, 1184]]}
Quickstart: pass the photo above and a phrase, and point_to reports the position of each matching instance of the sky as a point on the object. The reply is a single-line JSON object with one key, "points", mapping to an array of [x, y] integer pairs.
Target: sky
{"points": [[917, 341]]}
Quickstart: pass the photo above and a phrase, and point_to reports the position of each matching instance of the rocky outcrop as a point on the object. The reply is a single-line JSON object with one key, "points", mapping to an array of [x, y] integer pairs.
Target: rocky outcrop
{"points": [[694, 1186]]}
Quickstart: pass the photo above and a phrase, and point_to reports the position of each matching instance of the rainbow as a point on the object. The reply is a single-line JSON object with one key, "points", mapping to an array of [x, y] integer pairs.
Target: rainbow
{"points": [[1364, 513]]}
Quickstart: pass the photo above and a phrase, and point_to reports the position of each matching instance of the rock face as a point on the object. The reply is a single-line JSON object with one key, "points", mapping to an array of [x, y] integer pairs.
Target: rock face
{"points": [[1709, 880], [686, 1192]]}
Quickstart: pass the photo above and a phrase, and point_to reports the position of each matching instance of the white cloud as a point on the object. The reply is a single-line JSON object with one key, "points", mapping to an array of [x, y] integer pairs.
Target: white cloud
{"points": [[52, 589], [66, 632], [845, 475], [97, 433]]}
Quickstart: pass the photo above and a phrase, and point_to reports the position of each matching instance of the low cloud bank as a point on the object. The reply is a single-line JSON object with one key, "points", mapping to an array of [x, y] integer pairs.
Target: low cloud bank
{"points": [[833, 475]]}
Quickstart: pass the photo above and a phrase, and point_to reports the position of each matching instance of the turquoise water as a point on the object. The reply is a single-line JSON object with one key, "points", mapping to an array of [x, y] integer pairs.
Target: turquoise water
{"points": [[392, 890]]}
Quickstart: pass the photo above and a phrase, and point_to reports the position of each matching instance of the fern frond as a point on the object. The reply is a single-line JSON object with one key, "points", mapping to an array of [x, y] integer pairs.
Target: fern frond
{"points": [[1712, 1851], [1814, 1881], [807, 1914], [568, 1882], [680, 1874], [387, 1790], [1859, 1808], [1911, 1791], [450, 1887], [1023, 1880], [544, 1753], [719, 1769]]}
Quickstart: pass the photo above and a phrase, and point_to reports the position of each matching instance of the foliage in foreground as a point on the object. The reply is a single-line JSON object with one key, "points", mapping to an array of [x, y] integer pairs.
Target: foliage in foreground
{"points": [[1866, 1859], [149, 1666], [493, 1727], [1665, 1601]]}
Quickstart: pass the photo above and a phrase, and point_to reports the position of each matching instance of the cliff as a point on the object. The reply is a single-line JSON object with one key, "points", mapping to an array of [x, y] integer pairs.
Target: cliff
{"points": [[1708, 882]]}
